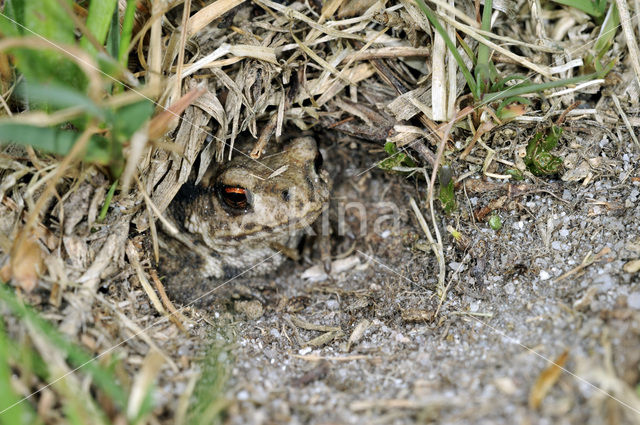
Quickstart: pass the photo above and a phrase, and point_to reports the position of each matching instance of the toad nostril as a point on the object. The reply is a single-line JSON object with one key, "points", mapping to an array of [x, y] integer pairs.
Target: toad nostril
{"points": [[317, 162], [285, 195]]}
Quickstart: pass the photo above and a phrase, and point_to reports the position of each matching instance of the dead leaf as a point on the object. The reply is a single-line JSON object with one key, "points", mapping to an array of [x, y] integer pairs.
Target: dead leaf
{"points": [[416, 315], [547, 380], [512, 111], [160, 124], [26, 262]]}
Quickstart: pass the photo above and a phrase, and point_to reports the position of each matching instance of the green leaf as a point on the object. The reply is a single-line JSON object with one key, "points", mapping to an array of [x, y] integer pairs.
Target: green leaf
{"points": [[390, 148], [46, 19], [552, 139], [49, 139], [53, 140], [447, 196], [125, 121], [129, 118], [113, 36], [515, 173], [592, 7], [607, 30], [395, 159], [55, 96]]}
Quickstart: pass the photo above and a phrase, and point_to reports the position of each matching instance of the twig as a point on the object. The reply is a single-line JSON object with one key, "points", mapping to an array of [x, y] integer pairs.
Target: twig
{"points": [[625, 119], [435, 247], [630, 38], [588, 260], [134, 259]]}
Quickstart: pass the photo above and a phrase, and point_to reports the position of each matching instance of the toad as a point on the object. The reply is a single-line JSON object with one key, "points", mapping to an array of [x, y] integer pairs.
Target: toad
{"points": [[241, 218]]}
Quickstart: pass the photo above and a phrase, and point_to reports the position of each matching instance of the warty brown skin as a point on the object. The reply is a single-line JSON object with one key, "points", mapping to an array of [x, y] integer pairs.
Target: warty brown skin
{"points": [[222, 237]]}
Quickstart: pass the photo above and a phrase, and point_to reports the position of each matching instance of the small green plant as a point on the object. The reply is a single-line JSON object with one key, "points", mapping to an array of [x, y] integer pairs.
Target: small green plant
{"points": [[396, 159], [515, 173], [107, 201], [539, 159], [447, 196], [495, 222], [73, 82]]}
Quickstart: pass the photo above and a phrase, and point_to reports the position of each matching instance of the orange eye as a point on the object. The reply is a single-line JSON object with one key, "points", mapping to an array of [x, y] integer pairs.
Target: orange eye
{"points": [[235, 197]]}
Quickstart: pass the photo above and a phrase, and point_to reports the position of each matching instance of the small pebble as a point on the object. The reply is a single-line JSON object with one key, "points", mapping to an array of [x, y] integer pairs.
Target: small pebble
{"points": [[544, 275], [633, 300]]}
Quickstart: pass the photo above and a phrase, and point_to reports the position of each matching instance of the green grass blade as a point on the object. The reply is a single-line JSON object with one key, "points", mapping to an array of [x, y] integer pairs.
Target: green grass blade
{"points": [[510, 100], [127, 30], [482, 70], [113, 37], [98, 22], [502, 83], [607, 30], [524, 88], [107, 201], [506, 115], [467, 50]]}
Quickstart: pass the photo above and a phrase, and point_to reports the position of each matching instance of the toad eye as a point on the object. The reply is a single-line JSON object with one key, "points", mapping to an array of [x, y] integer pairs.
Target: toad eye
{"points": [[317, 162], [235, 197]]}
